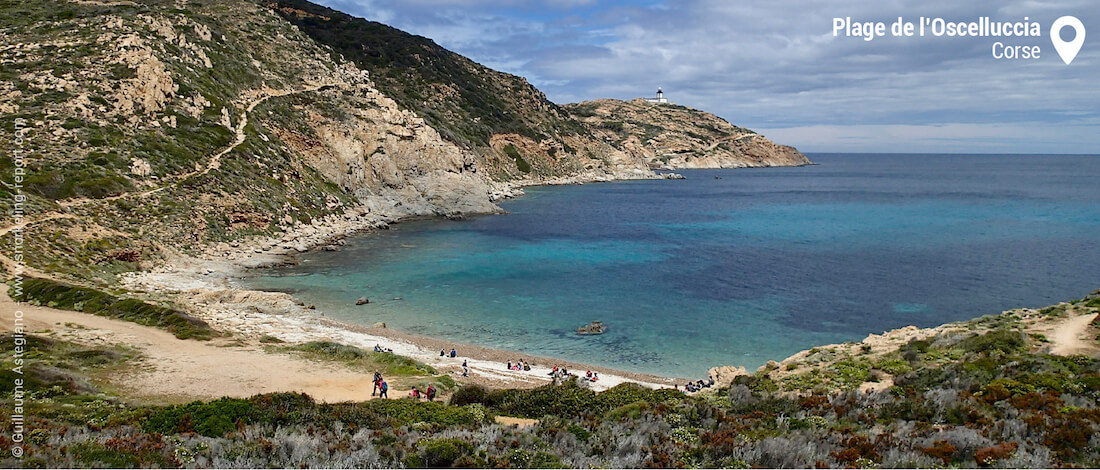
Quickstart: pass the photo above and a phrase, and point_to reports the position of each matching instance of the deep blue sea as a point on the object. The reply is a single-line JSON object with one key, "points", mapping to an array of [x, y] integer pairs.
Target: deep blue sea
{"points": [[729, 267]]}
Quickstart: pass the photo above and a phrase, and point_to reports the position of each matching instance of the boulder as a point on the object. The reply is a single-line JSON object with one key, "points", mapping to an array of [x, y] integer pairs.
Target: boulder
{"points": [[594, 328], [380, 324], [723, 376], [362, 300]]}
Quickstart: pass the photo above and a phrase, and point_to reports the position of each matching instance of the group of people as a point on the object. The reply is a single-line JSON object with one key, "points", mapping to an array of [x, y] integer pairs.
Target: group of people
{"points": [[519, 365], [453, 354], [559, 374], [429, 393], [591, 376], [381, 388], [380, 385], [379, 349], [693, 387]]}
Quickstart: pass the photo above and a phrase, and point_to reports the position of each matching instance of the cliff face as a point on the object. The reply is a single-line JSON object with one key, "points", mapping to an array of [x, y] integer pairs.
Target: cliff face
{"points": [[161, 126], [515, 132], [153, 128], [669, 136]]}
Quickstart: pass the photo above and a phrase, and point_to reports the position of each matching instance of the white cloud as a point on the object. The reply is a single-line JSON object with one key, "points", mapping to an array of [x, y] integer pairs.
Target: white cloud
{"points": [[776, 65]]}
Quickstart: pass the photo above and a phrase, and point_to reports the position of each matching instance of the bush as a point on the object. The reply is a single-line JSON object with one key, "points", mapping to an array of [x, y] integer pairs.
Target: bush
{"points": [[332, 350], [566, 400], [442, 452], [469, 394], [513, 153], [219, 417], [893, 366], [83, 299], [942, 450], [211, 419], [997, 340], [389, 363]]}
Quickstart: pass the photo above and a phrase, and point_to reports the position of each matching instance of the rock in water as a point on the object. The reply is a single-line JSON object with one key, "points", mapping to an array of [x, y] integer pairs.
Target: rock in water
{"points": [[362, 300], [594, 328], [380, 324]]}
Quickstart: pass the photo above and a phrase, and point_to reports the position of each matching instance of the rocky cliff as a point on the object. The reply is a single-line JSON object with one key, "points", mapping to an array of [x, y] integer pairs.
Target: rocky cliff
{"points": [[515, 132], [162, 126], [669, 136], [156, 126]]}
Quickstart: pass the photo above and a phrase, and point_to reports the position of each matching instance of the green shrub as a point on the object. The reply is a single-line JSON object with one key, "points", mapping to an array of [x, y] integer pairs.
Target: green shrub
{"points": [[443, 452], [513, 153], [566, 400], [83, 299], [388, 363], [630, 412], [579, 432], [1005, 341], [893, 366], [408, 412], [332, 350], [469, 394], [211, 419], [94, 454]]}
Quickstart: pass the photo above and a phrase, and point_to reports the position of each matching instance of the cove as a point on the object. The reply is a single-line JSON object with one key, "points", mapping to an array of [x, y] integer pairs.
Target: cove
{"points": [[728, 267]]}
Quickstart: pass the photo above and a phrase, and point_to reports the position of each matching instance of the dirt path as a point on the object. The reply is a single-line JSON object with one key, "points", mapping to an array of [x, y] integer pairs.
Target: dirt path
{"points": [[215, 160], [1072, 337], [175, 370], [213, 164]]}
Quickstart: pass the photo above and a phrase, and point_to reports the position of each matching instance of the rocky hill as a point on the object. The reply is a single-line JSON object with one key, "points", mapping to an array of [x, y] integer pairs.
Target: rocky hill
{"points": [[507, 122], [669, 136], [158, 127], [153, 128]]}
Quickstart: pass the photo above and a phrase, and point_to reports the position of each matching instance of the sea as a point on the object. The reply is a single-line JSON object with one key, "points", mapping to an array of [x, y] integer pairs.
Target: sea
{"points": [[727, 267]]}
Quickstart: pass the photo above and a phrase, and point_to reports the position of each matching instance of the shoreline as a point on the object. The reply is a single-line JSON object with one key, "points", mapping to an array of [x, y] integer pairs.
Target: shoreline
{"points": [[207, 285]]}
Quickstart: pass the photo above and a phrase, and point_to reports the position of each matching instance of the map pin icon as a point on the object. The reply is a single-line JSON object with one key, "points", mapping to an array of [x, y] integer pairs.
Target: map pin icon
{"points": [[1067, 50]]}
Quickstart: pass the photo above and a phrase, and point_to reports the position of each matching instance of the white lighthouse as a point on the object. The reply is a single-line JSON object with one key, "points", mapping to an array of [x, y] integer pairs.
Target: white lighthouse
{"points": [[659, 99]]}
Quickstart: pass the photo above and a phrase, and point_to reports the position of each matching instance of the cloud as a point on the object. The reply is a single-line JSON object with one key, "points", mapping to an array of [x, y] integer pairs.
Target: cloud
{"points": [[776, 65]]}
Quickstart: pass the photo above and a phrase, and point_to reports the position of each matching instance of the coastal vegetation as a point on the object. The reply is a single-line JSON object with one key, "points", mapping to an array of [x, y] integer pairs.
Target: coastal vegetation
{"points": [[399, 370], [50, 293], [982, 393], [163, 132]]}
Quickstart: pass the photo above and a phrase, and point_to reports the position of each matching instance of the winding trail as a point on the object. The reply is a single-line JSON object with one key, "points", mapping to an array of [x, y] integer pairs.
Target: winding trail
{"points": [[177, 371], [213, 164], [1071, 337], [215, 160]]}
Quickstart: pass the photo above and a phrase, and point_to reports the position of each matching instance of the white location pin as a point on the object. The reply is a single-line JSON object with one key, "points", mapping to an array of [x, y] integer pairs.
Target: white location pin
{"points": [[1067, 50]]}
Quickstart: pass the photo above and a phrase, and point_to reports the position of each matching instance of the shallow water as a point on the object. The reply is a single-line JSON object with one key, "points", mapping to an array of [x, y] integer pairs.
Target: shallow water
{"points": [[729, 266]]}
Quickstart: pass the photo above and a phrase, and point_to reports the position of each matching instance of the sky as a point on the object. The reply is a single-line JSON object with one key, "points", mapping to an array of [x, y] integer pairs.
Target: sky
{"points": [[777, 68]]}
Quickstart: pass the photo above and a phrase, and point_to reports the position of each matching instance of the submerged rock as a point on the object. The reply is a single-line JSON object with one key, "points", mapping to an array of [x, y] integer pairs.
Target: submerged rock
{"points": [[594, 328], [362, 300]]}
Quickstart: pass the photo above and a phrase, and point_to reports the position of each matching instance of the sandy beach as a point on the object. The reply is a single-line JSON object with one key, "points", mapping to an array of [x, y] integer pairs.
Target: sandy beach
{"points": [[205, 284]]}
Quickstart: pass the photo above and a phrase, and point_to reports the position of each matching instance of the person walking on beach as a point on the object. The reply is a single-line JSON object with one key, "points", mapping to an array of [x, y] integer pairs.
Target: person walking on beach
{"points": [[465, 369], [377, 382], [431, 392], [382, 389]]}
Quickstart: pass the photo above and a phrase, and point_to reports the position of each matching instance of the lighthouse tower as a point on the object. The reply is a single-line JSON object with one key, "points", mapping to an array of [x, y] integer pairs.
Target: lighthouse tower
{"points": [[659, 99]]}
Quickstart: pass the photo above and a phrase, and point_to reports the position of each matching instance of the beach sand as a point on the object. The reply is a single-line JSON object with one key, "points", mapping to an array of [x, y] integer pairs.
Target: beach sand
{"points": [[172, 370]]}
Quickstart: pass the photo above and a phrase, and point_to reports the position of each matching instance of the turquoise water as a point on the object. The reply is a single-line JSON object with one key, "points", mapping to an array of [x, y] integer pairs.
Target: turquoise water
{"points": [[729, 266]]}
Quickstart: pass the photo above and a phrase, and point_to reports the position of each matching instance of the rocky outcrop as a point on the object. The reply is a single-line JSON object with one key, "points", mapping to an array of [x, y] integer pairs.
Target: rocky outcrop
{"points": [[512, 130], [668, 136], [176, 129], [724, 375]]}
